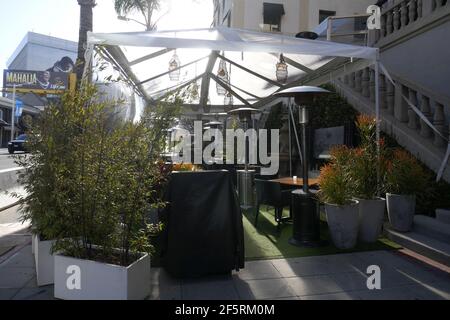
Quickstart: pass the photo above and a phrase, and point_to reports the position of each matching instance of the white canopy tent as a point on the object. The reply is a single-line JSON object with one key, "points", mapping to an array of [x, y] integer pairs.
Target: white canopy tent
{"points": [[143, 58], [250, 57]]}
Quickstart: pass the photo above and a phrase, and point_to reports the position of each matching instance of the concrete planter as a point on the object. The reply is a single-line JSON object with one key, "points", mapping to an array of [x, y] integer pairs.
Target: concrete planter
{"points": [[43, 259], [343, 224], [401, 209], [32, 244], [101, 281], [371, 217]]}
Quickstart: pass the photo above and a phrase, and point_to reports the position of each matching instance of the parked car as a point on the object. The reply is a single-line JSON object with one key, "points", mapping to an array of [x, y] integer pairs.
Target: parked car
{"points": [[18, 144]]}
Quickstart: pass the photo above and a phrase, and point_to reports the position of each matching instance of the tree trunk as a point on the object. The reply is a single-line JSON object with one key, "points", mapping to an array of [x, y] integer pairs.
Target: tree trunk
{"points": [[86, 24]]}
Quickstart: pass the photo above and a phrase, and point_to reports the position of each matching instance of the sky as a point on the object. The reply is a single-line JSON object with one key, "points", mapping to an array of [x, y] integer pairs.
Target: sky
{"points": [[60, 18]]}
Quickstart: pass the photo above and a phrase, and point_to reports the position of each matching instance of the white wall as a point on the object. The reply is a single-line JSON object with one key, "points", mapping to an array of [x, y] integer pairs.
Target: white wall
{"points": [[301, 15], [342, 7], [253, 15]]}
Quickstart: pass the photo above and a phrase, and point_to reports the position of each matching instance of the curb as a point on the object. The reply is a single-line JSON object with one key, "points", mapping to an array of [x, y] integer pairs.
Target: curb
{"points": [[13, 251], [9, 206]]}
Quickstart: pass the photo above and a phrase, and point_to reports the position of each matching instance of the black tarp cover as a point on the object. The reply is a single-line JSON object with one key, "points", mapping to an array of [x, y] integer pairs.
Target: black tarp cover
{"points": [[204, 232]]}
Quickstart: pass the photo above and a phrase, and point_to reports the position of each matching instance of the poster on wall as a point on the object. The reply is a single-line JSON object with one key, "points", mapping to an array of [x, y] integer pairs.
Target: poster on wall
{"points": [[35, 81]]}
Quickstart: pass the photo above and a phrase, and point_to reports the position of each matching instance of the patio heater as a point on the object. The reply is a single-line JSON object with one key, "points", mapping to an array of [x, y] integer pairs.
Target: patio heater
{"points": [[246, 177], [305, 207], [214, 125]]}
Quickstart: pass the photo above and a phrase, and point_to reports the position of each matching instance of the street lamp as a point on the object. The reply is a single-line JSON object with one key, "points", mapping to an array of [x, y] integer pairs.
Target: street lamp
{"points": [[123, 18], [305, 213]]}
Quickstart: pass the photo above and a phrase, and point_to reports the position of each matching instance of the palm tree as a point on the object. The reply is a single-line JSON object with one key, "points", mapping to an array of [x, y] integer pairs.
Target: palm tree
{"points": [[144, 7], [86, 24]]}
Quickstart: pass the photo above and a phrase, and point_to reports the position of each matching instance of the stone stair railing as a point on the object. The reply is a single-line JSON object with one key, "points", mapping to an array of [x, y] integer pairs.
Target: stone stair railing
{"points": [[398, 116], [400, 17]]}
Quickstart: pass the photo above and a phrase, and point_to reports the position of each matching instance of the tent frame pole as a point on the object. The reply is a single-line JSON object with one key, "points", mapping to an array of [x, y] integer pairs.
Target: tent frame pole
{"points": [[378, 120]]}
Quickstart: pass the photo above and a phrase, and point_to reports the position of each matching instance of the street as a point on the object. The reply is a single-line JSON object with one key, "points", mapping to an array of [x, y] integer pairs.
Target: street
{"points": [[6, 160]]}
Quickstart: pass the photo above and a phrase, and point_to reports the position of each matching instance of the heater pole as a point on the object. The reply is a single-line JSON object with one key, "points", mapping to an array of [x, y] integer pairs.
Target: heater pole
{"points": [[305, 160]]}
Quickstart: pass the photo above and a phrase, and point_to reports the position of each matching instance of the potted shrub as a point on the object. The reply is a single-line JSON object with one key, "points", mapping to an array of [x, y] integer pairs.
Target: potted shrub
{"points": [[367, 171], [40, 204], [405, 178], [335, 191], [105, 180]]}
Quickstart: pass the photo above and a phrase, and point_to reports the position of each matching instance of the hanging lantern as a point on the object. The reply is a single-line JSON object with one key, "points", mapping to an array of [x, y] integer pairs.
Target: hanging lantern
{"points": [[282, 70], [222, 74], [195, 91], [174, 65], [228, 100]]}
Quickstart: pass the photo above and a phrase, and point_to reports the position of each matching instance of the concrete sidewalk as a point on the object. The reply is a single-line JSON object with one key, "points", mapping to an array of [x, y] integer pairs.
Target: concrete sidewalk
{"points": [[320, 278]]}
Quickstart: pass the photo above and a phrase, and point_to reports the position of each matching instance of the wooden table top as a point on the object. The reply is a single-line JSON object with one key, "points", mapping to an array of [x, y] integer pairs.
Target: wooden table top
{"points": [[298, 182]]}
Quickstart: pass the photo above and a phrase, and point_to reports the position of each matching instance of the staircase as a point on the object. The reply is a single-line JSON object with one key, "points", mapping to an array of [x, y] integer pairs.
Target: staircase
{"points": [[429, 237], [415, 47], [414, 43]]}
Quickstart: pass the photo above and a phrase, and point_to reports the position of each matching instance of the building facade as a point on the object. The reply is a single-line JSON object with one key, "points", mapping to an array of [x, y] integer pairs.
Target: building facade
{"points": [[41, 52], [285, 16], [35, 52]]}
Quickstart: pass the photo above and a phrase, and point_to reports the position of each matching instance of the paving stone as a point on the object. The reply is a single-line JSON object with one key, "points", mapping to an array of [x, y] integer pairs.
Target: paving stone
{"points": [[164, 287], [256, 270], [286, 298], [398, 293], [7, 294], [210, 290], [22, 259], [382, 259], [333, 296], [15, 277], [314, 285], [433, 291], [350, 281], [263, 289], [346, 263], [161, 292], [302, 267], [42, 293]]}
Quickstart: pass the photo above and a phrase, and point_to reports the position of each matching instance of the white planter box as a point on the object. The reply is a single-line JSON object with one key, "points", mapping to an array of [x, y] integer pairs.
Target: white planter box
{"points": [[101, 281], [44, 261], [33, 237]]}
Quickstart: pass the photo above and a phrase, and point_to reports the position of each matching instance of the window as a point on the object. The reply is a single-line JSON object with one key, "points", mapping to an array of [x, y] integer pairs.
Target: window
{"points": [[323, 14], [273, 12], [360, 25]]}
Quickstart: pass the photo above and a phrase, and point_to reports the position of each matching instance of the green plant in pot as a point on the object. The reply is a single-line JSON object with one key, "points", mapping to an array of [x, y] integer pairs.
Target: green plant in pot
{"points": [[102, 179], [405, 178], [367, 170], [336, 192]]}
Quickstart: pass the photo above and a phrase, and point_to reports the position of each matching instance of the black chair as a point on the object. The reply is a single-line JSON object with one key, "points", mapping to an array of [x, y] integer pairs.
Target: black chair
{"points": [[271, 194]]}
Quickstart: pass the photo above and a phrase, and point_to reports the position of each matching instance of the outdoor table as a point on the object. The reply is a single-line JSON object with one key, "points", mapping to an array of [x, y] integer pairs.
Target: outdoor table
{"points": [[297, 182], [203, 225]]}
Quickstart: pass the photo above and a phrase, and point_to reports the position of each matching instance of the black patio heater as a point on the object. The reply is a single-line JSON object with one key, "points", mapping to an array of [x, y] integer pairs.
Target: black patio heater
{"points": [[305, 206], [246, 177]]}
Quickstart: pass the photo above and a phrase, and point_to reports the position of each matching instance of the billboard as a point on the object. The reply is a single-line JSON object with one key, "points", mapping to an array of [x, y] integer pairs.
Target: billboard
{"points": [[35, 81]]}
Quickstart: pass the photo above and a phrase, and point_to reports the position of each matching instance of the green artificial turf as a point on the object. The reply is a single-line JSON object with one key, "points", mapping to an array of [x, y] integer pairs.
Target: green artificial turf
{"points": [[266, 243]]}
